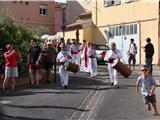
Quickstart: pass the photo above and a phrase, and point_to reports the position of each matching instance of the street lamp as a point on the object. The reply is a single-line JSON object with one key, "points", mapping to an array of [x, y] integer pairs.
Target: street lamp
{"points": [[63, 27]]}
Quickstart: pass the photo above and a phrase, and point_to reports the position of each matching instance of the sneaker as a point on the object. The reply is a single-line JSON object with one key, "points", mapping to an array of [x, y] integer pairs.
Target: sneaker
{"points": [[65, 87], [48, 81], [112, 84], [155, 114], [92, 76], [116, 86]]}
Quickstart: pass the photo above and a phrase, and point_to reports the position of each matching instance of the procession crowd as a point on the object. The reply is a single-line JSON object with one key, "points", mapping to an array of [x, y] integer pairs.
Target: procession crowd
{"points": [[70, 56], [74, 56]]}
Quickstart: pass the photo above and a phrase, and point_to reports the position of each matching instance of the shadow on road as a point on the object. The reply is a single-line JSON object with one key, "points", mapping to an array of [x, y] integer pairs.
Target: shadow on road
{"points": [[9, 117], [45, 106]]}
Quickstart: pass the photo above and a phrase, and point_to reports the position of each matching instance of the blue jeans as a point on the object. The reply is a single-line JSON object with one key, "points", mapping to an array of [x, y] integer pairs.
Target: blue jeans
{"points": [[148, 62]]}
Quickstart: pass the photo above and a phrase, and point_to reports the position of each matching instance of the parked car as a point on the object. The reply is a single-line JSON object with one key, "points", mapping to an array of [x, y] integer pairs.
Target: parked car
{"points": [[101, 52]]}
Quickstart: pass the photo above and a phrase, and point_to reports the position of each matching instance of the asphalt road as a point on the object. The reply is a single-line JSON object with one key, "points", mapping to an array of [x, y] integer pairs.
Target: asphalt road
{"points": [[86, 99]]}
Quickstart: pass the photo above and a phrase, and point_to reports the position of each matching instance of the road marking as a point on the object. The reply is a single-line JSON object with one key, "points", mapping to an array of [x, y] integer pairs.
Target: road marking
{"points": [[93, 102], [81, 104], [96, 103], [5, 102]]}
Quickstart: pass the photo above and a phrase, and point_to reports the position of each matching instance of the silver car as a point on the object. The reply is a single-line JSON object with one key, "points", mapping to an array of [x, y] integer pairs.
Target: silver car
{"points": [[101, 52]]}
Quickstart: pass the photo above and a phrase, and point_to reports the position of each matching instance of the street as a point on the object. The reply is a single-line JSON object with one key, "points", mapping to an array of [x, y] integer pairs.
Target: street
{"points": [[86, 99]]}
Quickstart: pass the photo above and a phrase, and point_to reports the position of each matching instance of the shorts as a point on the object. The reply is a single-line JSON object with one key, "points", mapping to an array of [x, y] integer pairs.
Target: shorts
{"points": [[34, 66], [11, 72], [149, 99]]}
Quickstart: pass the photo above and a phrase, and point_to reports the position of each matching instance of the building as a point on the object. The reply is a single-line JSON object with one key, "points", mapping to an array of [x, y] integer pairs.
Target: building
{"points": [[75, 8], [121, 20], [78, 19], [32, 14]]}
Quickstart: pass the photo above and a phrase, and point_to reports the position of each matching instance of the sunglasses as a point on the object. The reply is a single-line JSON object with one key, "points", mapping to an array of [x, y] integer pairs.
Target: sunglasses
{"points": [[145, 70]]}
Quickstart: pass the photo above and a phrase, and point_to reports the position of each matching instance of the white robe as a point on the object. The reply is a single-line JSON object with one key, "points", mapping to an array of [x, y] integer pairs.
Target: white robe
{"points": [[92, 63], [112, 72], [62, 57], [75, 54], [84, 59]]}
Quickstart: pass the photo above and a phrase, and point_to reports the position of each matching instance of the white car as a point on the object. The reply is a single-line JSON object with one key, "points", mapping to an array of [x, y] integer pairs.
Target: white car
{"points": [[101, 52]]}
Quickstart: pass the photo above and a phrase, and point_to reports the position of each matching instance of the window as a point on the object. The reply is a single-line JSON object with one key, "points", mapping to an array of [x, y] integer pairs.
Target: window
{"points": [[127, 29], [117, 31], [108, 3], [27, 2], [135, 28], [43, 9], [20, 2], [111, 32], [120, 30], [131, 29], [123, 30], [117, 2], [128, 1]]}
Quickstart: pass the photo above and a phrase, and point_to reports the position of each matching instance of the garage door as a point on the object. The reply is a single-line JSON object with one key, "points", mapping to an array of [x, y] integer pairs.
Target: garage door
{"points": [[121, 35]]}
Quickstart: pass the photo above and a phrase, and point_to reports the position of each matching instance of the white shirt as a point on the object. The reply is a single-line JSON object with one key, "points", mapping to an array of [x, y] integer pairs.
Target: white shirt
{"points": [[74, 48], [62, 57], [113, 54], [132, 49]]}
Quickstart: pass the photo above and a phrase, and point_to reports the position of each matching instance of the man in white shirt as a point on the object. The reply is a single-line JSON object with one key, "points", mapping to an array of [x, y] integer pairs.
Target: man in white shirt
{"points": [[132, 53]]}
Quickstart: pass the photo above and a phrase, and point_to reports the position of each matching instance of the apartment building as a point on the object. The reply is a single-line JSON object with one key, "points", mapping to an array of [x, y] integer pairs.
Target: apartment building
{"points": [[120, 20], [32, 14]]}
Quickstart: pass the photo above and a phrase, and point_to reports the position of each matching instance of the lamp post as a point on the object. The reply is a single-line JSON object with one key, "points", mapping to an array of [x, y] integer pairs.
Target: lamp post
{"points": [[63, 27]]}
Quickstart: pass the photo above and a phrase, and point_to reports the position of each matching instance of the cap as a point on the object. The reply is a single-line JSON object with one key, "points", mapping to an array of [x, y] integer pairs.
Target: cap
{"points": [[49, 43]]}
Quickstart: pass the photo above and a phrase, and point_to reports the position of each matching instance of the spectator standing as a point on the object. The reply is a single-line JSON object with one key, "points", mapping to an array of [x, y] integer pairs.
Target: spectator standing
{"points": [[132, 53], [58, 45], [1, 64], [11, 68], [149, 51], [33, 63], [47, 57]]}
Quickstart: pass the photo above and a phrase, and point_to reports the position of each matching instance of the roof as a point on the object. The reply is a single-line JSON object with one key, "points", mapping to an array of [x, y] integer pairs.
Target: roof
{"points": [[86, 14], [78, 24]]}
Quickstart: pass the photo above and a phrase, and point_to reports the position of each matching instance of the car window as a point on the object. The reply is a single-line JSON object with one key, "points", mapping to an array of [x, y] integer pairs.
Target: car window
{"points": [[101, 47]]}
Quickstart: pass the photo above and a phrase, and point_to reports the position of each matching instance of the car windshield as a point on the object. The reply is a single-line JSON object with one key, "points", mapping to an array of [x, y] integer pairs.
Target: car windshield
{"points": [[101, 47]]}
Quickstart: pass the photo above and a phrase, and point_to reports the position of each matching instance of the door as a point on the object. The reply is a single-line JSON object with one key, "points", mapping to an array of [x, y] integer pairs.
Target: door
{"points": [[121, 35]]}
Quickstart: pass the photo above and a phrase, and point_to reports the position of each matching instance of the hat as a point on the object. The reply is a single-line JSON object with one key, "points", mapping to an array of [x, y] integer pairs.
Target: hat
{"points": [[49, 43]]}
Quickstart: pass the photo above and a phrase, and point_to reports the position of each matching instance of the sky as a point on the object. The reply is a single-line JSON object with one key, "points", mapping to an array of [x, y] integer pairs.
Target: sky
{"points": [[62, 1]]}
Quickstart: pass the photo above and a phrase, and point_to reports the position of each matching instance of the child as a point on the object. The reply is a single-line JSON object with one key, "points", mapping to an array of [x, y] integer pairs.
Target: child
{"points": [[148, 86]]}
